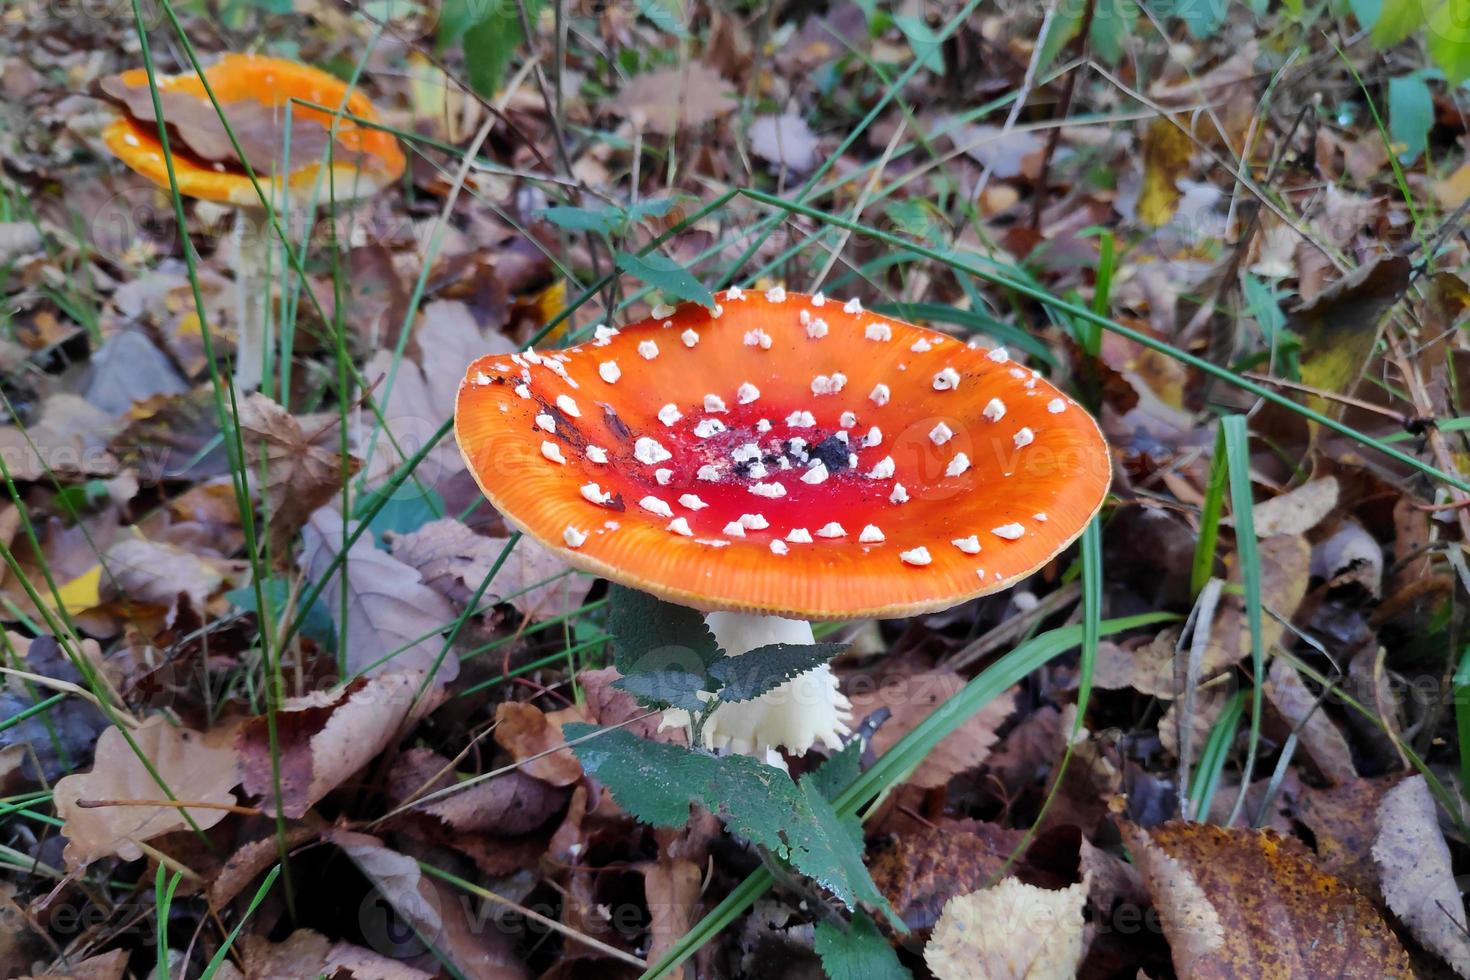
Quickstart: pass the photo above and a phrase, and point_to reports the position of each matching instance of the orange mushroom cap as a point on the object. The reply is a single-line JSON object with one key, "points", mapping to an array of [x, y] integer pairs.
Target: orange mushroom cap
{"points": [[365, 159], [785, 454]]}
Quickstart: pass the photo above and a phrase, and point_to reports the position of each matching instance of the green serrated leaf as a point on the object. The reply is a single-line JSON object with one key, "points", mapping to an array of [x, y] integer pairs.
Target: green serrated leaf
{"points": [[604, 221], [858, 953], [656, 207], [666, 689], [1202, 17], [657, 783], [839, 770], [1448, 39], [1065, 24], [650, 635], [491, 39], [923, 41], [664, 273], [1112, 22], [1410, 115], [754, 673]]}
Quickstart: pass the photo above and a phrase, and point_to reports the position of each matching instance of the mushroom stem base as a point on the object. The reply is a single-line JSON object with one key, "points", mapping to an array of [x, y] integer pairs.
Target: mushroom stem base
{"points": [[805, 710], [253, 306]]}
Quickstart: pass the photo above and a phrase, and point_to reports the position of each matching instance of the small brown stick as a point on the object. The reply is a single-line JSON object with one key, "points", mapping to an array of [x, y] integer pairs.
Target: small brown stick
{"points": [[1366, 406], [246, 811]]}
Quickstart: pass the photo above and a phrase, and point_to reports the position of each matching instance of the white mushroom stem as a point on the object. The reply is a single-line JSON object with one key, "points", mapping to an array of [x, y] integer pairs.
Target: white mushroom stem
{"points": [[805, 710], [253, 307]]}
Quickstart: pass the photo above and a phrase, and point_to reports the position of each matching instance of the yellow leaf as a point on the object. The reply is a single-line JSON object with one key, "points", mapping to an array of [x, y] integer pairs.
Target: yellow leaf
{"points": [[1454, 189], [1166, 153], [80, 594]]}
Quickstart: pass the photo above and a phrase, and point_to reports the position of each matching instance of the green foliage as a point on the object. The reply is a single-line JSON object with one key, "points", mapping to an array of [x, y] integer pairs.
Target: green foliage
{"points": [[490, 31], [316, 625], [760, 670], [858, 952], [1446, 35], [665, 274], [657, 783], [401, 512], [667, 655], [650, 635], [1410, 115], [838, 770], [609, 221]]}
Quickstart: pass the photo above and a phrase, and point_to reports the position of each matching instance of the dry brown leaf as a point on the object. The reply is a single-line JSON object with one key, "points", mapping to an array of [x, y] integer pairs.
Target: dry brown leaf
{"points": [[68, 436], [305, 953], [1454, 190], [920, 871], [452, 927], [612, 706], [671, 890], [510, 803], [1298, 510], [421, 398], [249, 861], [1418, 883], [300, 475], [912, 698], [669, 100], [1318, 736], [1003, 151], [324, 738], [526, 733], [455, 560], [152, 572], [1236, 903], [785, 141], [1009, 931], [393, 620], [196, 767], [104, 966], [1343, 822]]}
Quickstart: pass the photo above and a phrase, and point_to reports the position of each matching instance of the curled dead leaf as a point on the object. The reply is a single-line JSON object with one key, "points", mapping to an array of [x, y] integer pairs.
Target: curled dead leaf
{"points": [[324, 738]]}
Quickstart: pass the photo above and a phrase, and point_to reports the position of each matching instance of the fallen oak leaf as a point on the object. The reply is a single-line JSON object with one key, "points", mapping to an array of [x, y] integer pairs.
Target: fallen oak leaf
{"points": [[671, 100], [1236, 902], [1009, 931], [325, 737], [455, 561], [299, 476], [913, 697], [194, 766]]}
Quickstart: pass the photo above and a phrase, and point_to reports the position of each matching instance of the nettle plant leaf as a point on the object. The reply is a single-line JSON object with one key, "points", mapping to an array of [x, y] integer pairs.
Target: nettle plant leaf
{"points": [[646, 631], [602, 221], [839, 771], [657, 783], [664, 274], [765, 668], [857, 953], [666, 689]]}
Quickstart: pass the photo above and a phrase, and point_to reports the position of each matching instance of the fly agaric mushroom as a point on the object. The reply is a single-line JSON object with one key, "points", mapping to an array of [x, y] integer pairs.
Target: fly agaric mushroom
{"points": [[254, 93], [784, 456]]}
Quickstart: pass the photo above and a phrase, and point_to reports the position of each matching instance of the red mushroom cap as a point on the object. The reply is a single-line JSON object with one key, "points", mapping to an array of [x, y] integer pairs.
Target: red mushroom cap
{"points": [[787, 454], [365, 159]]}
